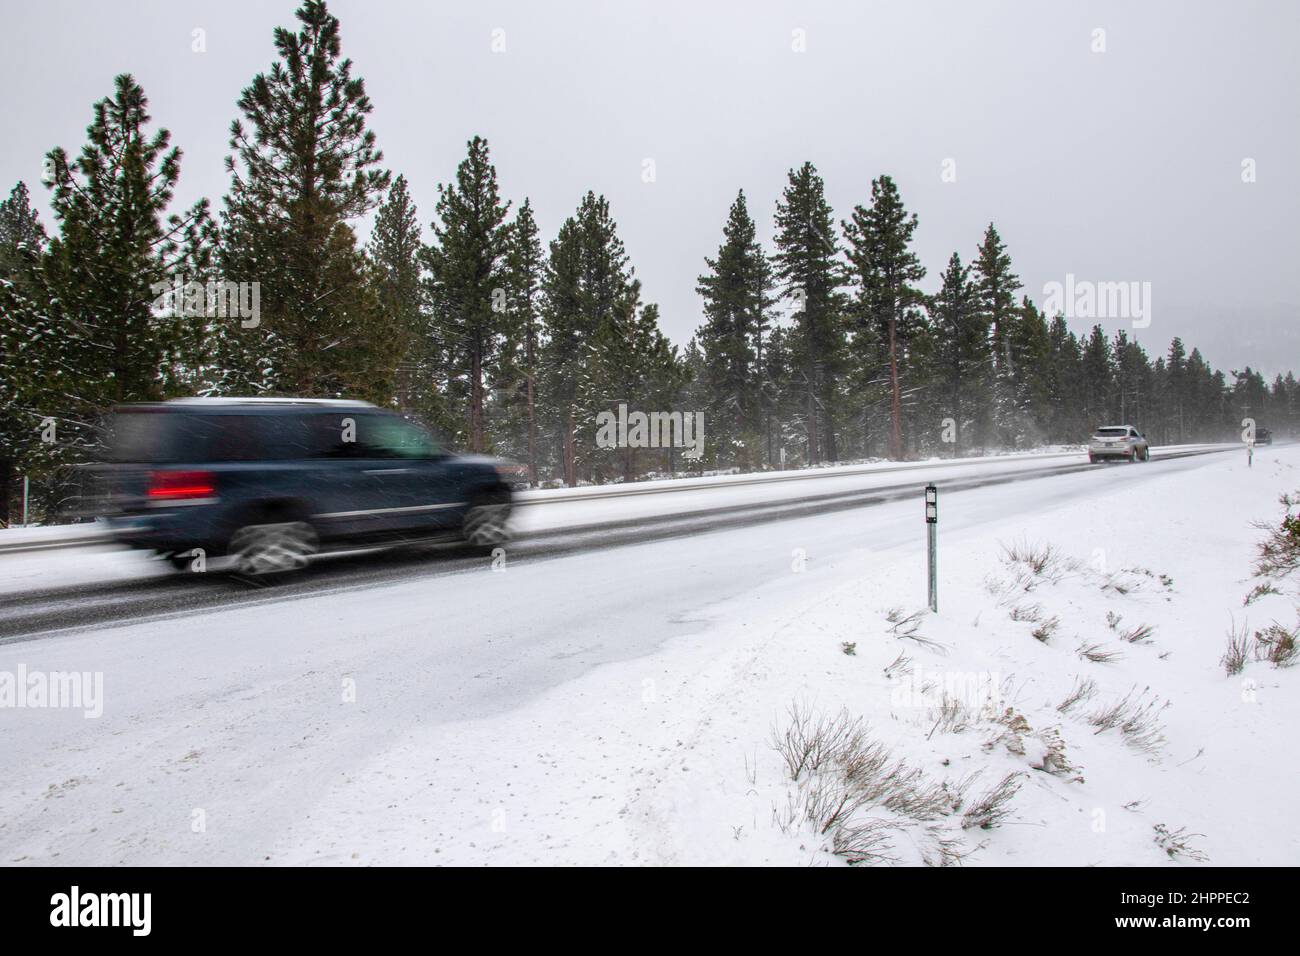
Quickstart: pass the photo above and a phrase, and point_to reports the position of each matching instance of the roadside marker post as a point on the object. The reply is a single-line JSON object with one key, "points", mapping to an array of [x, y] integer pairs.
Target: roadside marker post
{"points": [[932, 528]]}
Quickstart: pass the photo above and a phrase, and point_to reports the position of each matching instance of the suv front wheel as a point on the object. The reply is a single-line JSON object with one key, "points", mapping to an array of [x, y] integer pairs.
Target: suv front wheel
{"points": [[487, 521]]}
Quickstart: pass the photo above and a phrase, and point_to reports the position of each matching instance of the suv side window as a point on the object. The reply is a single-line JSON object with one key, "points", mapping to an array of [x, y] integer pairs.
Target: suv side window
{"points": [[264, 437], [326, 434], [387, 436]]}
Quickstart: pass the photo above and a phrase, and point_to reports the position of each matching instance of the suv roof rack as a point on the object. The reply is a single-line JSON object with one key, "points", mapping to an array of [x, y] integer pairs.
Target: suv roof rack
{"points": [[269, 401]]}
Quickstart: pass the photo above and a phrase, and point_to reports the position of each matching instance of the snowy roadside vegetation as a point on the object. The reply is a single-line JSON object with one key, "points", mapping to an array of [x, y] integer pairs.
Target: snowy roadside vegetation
{"points": [[1067, 705]]}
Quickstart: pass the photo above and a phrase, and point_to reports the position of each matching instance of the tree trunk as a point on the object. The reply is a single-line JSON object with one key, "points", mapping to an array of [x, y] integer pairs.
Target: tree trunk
{"points": [[896, 408], [813, 427], [532, 436], [570, 464]]}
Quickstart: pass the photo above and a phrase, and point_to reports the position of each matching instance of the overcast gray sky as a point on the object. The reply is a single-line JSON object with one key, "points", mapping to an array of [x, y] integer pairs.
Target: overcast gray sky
{"points": [[1122, 165]]}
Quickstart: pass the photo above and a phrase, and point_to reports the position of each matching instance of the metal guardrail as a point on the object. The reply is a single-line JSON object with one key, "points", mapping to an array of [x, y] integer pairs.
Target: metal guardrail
{"points": [[547, 496], [565, 495], [79, 541]]}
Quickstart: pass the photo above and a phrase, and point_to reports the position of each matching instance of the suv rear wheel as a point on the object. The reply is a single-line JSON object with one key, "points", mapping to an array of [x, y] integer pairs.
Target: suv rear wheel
{"points": [[260, 549]]}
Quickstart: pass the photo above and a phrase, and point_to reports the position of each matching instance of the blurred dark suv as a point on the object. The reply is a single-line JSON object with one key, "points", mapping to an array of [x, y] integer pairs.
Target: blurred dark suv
{"points": [[266, 483]]}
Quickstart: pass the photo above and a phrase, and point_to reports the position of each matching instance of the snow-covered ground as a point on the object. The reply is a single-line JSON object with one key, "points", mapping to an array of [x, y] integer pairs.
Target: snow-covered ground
{"points": [[618, 706]]}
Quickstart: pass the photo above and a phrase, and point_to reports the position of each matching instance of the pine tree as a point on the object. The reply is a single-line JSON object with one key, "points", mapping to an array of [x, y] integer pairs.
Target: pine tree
{"points": [[1098, 378], [629, 361], [997, 286], [82, 330], [394, 254], [22, 244], [1064, 384], [736, 293], [467, 284], [587, 286], [525, 266], [1175, 391], [305, 167], [960, 356], [807, 264], [1029, 345], [22, 237], [1132, 381], [887, 298]]}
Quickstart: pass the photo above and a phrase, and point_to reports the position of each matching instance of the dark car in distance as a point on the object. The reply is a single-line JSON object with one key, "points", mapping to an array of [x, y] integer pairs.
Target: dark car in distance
{"points": [[266, 483]]}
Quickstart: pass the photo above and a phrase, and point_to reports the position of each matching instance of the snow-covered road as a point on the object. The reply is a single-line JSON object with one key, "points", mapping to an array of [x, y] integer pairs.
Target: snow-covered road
{"points": [[528, 713]]}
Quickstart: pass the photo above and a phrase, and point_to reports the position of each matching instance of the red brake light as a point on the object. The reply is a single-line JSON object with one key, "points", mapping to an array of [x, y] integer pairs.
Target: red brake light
{"points": [[179, 485]]}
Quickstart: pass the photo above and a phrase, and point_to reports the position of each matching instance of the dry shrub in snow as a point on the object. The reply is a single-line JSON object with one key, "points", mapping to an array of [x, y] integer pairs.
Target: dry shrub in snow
{"points": [[906, 627], [1042, 560], [952, 716], [1046, 629], [1176, 845], [902, 664], [1136, 717], [864, 841], [1239, 649], [1278, 555], [1124, 580], [1081, 691], [1012, 736], [1054, 760], [855, 792], [1099, 653], [1044, 749], [1276, 644], [1026, 612], [994, 806], [1138, 635], [1259, 591], [808, 741]]}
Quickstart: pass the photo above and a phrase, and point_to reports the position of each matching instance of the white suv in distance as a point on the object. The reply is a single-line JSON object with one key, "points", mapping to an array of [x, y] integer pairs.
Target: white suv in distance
{"points": [[1118, 441]]}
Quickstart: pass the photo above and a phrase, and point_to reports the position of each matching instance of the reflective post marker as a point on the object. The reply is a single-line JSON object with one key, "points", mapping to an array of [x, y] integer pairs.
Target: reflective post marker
{"points": [[931, 528]]}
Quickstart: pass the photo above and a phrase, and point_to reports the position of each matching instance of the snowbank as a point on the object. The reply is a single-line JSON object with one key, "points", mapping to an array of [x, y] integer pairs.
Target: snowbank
{"points": [[669, 759]]}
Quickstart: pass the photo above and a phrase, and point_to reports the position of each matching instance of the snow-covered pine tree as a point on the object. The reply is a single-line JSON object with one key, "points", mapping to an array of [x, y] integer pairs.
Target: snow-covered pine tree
{"points": [[22, 237], [467, 287], [1098, 379], [997, 286], [807, 265], [588, 282], [737, 299], [304, 168], [1064, 383], [82, 329], [959, 356], [886, 271], [516, 429], [629, 361], [22, 243], [1028, 345], [394, 254]]}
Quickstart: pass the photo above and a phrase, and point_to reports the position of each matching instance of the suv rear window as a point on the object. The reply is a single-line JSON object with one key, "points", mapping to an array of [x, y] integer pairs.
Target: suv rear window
{"points": [[1113, 432]]}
